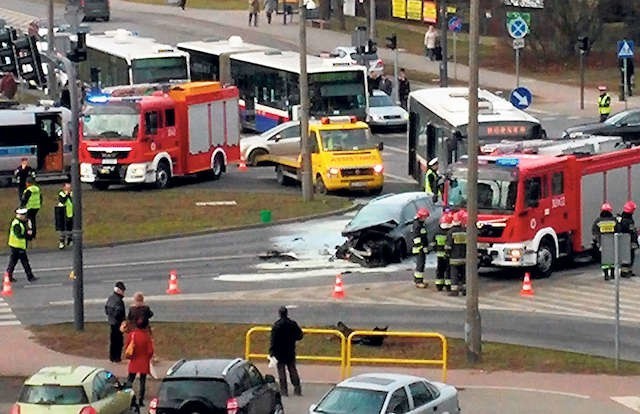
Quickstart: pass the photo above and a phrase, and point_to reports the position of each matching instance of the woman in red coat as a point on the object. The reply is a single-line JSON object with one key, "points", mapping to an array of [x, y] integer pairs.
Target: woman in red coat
{"points": [[139, 362]]}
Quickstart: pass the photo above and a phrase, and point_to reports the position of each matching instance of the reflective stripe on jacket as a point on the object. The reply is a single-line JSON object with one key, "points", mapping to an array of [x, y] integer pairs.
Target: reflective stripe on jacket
{"points": [[18, 241], [34, 202]]}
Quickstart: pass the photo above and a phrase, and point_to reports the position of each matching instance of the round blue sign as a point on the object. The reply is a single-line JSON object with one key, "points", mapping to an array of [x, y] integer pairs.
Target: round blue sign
{"points": [[455, 24], [518, 28]]}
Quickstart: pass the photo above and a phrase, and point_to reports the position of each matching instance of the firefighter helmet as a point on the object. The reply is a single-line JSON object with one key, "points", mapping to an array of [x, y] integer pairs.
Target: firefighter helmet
{"points": [[446, 217], [456, 218], [463, 217], [606, 207], [629, 207], [422, 214]]}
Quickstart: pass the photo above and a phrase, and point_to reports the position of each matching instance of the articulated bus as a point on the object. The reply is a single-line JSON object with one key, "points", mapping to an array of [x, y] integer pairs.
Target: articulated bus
{"points": [[124, 58], [438, 120]]}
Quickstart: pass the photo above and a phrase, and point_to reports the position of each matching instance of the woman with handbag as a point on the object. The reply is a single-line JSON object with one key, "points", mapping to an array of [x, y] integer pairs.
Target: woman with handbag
{"points": [[139, 351]]}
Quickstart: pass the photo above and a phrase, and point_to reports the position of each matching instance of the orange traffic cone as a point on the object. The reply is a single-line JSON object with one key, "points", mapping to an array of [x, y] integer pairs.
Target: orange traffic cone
{"points": [[6, 285], [173, 283], [338, 289], [243, 165], [527, 288]]}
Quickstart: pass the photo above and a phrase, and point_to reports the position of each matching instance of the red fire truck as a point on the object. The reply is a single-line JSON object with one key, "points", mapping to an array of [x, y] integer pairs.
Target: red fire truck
{"points": [[536, 208], [187, 129]]}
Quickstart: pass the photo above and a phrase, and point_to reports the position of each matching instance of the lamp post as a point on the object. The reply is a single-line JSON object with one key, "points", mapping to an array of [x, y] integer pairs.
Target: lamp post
{"points": [[307, 180]]}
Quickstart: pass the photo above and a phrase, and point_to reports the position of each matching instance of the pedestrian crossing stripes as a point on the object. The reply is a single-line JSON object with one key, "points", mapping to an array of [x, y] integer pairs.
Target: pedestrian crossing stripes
{"points": [[7, 318], [16, 19]]}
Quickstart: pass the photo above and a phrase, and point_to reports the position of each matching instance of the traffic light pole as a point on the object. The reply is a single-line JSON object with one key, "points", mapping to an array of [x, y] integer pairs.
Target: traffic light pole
{"points": [[52, 81], [582, 52], [307, 179], [396, 92], [444, 63]]}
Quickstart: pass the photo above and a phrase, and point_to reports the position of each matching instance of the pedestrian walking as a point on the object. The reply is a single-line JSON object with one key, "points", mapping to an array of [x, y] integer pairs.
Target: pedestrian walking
{"points": [[626, 225], [603, 230], [139, 312], [432, 180], [8, 85], [32, 201], [437, 244], [285, 332], [386, 84], [21, 174], [19, 233], [254, 9], [604, 103], [139, 351], [114, 309], [270, 6], [420, 246], [430, 38], [64, 216], [183, 4], [456, 247], [403, 88]]}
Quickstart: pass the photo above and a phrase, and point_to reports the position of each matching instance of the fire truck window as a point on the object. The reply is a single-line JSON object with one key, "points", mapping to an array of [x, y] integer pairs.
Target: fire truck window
{"points": [[170, 117], [151, 123], [557, 183], [533, 188]]}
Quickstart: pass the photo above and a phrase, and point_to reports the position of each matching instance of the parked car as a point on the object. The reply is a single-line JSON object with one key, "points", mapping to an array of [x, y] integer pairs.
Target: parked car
{"points": [[381, 232], [380, 393], [350, 54], [283, 139], [73, 390], [216, 386], [383, 112], [625, 124], [96, 9]]}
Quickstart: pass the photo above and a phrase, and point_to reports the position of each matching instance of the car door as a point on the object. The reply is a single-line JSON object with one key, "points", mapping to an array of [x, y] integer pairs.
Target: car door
{"points": [[99, 395], [286, 141], [424, 400], [398, 402], [263, 396], [630, 129]]}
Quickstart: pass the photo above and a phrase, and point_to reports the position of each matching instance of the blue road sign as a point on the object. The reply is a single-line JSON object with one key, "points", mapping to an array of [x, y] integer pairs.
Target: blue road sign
{"points": [[625, 48], [455, 24], [521, 97], [518, 28]]}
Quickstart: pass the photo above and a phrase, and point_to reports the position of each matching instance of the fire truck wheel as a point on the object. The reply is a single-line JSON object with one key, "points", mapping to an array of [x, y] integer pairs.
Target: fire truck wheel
{"points": [[163, 175], [545, 259], [218, 167], [319, 186]]}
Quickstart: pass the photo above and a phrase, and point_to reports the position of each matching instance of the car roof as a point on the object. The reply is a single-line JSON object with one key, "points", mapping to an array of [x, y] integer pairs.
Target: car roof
{"points": [[379, 381], [62, 375], [378, 92], [206, 368], [399, 198]]}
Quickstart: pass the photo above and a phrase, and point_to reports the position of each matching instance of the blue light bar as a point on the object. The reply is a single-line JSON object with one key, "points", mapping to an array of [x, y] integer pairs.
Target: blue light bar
{"points": [[507, 162], [97, 98]]}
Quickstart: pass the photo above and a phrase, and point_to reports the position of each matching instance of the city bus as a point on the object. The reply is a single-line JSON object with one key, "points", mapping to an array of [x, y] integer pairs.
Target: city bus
{"points": [[268, 82], [438, 119], [123, 58]]}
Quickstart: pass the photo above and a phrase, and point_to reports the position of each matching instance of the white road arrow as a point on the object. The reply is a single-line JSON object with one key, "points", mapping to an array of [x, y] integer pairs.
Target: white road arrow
{"points": [[628, 401], [522, 100]]}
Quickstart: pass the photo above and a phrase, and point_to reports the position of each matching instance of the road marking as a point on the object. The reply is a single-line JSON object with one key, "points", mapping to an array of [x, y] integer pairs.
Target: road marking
{"points": [[631, 402], [506, 388], [16, 19], [7, 317], [305, 274], [394, 149], [401, 179]]}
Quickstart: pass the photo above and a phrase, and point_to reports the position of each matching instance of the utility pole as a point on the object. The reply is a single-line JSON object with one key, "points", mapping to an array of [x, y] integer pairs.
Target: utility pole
{"points": [[52, 81], [472, 327], [442, 19], [307, 180], [372, 20]]}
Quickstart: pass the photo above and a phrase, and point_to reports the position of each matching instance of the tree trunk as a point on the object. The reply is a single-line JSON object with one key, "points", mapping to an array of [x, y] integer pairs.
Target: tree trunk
{"points": [[325, 9], [339, 12]]}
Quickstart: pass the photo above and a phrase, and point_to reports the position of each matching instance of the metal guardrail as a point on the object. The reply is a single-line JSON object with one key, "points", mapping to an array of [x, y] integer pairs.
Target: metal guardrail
{"points": [[340, 359]]}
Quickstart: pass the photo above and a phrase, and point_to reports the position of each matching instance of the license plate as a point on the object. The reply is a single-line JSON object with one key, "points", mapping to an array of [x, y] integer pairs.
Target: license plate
{"points": [[483, 245], [109, 161], [358, 184]]}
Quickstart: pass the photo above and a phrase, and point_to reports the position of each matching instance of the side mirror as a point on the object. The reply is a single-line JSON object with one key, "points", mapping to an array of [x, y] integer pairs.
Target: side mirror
{"points": [[270, 379], [381, 146], [277, 138]]}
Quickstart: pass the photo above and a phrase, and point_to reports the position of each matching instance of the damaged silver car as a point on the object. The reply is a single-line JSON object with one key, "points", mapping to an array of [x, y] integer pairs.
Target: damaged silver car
{"points": [[380, 233]]}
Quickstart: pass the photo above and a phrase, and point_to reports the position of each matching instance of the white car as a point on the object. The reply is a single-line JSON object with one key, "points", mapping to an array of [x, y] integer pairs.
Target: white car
{"points": [[283, 139], [381, 393], [350, 54], [383, 112]]}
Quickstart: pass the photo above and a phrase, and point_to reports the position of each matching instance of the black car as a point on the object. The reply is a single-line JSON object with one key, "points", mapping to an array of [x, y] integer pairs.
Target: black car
{"points": [[625, 124], [216, 386]]}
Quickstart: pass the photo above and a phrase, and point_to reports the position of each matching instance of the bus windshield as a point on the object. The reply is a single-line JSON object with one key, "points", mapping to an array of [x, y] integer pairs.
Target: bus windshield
{"points": [[111, 122], [346, 139], [154, 70], [497, 189], [337, 93]]}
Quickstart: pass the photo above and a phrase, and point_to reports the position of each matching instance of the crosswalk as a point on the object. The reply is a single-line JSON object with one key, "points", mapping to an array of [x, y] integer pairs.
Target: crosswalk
{"points": [[7, 318], [16, 19]]}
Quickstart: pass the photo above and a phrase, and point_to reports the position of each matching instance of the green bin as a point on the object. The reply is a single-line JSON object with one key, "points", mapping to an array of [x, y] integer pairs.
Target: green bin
{"points": [[265, 216]]}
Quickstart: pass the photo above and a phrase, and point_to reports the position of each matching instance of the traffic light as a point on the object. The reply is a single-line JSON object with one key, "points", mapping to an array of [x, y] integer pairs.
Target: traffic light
{"points": [[392, 41], [7, 55], [28, 60], [583, 43]]}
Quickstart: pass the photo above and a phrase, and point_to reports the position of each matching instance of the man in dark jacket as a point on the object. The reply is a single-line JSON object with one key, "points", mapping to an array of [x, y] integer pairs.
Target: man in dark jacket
{"points": [[403, 88], [21, 174], [626, 224], [285, 333], [114, 309]]}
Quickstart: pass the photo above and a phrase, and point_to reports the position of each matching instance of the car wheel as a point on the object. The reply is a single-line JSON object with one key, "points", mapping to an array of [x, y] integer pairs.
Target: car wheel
{"points": [[545, 259], [280, 177], [278, 409], [218, 167], [399, 251], [319, 185], [163, 175], [251, 159], [375, 191]]}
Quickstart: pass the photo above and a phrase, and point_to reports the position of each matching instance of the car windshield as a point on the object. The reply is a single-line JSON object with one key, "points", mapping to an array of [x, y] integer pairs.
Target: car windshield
{"points": [[380, 100], [497, 189], [111, 122], [177, 390], [53, 395], [343, 400], [617, 118], [376, 213], [346, 139]]}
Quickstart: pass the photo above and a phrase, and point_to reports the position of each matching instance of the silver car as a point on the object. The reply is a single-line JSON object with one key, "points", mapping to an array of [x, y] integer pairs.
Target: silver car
{"points": [[283, 139], [385, 393], [383, 112]]}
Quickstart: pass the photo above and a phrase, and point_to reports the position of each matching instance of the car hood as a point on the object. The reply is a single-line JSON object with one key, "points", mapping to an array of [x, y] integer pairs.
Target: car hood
{"points": [[386, 110], [586, 129], [387, 222]]}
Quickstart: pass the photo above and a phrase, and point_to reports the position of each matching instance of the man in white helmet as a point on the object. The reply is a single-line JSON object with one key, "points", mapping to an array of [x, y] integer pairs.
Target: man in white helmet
{"points": [[19, 232], [432, 180]]}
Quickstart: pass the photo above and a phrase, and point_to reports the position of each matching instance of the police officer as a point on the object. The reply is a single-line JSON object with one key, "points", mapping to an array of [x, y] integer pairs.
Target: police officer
{"points": [[602, 231], [65, 202], [432, 180], [19, 232], [604, 103], [420, 246], [443, 277], [456, 247], [32, 201], [625, 224]]}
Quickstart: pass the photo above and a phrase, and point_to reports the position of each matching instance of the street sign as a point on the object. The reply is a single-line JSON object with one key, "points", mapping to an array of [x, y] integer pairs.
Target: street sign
{"points": [[455, 24], [514, 15], [625, 48], [518, 28], [518, 43], [521, 97]]}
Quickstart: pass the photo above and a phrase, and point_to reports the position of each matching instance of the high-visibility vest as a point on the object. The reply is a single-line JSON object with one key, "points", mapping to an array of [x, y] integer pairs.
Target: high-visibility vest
{"points": [[604, 104], [427, 184], [14, 240], [34, 200], [68, 204]]}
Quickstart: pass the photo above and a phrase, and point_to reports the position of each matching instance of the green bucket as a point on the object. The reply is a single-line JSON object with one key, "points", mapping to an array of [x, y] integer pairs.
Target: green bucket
{"points": [[265, 216]]}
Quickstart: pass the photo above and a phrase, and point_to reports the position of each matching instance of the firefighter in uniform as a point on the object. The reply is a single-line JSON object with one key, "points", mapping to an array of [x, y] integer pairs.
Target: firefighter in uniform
{"points": [[19, 233], [443, 277], [420, 246], [603, 230], [604, 103], [625, 224], [32, 201], [432, 180], [456, 247], [65, 204]]}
